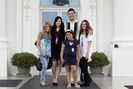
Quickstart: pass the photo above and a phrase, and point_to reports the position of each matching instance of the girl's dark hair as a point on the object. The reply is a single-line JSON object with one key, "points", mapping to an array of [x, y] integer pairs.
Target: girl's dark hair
{"points": [[61, 26], [88, 27], [72, 34]]}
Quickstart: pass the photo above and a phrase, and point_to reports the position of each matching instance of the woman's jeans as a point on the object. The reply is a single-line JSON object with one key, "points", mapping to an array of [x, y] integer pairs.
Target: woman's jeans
{"points": [[44, 61]]}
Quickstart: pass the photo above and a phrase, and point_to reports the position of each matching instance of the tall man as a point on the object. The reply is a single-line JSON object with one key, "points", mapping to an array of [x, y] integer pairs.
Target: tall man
{"points": [[74, 25]]}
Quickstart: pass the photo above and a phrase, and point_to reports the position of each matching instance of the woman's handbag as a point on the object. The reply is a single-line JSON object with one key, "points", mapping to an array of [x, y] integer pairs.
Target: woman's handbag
{"points": [[38, 64]]}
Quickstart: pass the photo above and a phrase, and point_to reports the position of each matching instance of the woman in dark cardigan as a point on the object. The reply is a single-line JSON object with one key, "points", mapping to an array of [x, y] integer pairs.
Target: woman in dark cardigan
{"points": [[58, 35]]}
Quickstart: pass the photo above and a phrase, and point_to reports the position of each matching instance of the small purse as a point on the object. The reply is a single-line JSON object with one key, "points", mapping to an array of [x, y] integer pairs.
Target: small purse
{"points": [[38, 64]]}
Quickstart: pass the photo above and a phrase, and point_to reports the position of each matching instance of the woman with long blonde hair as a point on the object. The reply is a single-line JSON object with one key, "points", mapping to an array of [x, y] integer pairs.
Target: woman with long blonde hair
{"points": [[44, 49]]}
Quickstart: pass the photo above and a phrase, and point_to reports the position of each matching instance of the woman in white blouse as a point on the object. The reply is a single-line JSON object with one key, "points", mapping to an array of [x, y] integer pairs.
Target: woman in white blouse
{"points": [[85, 50]]}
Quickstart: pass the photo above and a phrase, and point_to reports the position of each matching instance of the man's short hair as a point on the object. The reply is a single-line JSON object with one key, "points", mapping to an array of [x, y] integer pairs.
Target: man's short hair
{"points": [[71, 9]]}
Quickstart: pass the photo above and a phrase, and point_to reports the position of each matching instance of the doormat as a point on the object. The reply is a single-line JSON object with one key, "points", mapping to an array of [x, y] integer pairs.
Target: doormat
{"points": [[9, 83], [34, 83], [129, 86]]}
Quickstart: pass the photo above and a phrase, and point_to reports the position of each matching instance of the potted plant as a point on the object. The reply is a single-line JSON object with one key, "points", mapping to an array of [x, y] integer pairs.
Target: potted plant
{"points": [[99, 59], [23, 61]]}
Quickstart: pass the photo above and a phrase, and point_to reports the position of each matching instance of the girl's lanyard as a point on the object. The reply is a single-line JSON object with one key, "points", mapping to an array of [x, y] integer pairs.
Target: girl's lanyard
{"points": [[71, 43], [82, 41], [46, 40]]}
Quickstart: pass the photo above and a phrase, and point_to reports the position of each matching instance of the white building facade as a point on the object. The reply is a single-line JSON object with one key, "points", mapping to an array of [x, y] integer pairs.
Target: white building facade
{"points": [[111, 20]]}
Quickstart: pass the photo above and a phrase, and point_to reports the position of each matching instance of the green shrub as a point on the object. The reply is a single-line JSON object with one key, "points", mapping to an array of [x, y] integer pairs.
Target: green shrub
{"points": [[98, 59], [23, 59]]}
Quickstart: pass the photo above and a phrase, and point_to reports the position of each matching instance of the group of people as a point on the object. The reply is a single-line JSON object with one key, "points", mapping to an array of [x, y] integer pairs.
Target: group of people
{"points": [[68, 43]]}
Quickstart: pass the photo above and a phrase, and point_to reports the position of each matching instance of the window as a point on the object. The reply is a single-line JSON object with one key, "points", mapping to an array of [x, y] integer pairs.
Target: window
{"points": [[49, 15]]}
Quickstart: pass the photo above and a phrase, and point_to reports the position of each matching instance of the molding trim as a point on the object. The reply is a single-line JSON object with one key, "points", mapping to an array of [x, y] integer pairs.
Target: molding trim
{"points": [[26, 25], [92, 20], [92, 10], [27, 6]]}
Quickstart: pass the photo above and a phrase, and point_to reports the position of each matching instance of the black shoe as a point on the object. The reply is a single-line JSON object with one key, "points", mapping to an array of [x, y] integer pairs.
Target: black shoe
{"points": [[55, 84], [72, 84], [89, 82], [83, 85]]}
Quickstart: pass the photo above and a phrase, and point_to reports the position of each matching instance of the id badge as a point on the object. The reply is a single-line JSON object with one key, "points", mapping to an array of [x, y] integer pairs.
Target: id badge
{"points": [[82, 43], [72, 49], [73, 30], [45, 44], [56, 40]]}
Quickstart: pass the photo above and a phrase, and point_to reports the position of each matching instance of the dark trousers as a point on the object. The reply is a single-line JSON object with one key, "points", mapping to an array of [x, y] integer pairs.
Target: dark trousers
{"points": [[84, 69]]}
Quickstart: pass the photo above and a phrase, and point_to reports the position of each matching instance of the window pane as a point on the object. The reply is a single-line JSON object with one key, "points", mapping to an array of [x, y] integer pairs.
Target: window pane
{"points": [[59, 2], [46, 2], [49, 16], [65, 17]]}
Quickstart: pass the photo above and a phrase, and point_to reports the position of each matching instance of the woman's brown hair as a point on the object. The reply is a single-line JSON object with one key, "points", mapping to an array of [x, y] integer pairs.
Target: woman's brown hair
{"points": [[43, 31], [88, 27]]}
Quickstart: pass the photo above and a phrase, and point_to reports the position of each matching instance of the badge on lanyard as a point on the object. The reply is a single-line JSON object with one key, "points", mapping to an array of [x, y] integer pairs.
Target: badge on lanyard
{"points": [[45, 44], [71, 43], [82, 41], [56, 40], [73, 30], [72, 49]]}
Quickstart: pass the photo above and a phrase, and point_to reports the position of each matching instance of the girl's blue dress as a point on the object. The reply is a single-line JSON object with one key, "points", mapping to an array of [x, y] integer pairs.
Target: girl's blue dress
{"points": [[70, 52]]}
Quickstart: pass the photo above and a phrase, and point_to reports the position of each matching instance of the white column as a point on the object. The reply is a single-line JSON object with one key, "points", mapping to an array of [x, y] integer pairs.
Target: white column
{"points": [[27, 25], [100, 31], [122, 62], [3, 41], [19, 26], [123, 20]]}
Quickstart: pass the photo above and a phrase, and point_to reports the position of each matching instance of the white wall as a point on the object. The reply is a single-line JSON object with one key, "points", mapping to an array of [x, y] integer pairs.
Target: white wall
{"points": [[122, 56], [11, 4], [122, 63], [15, 33], [104, 33], [35, 13], [3, 39], [108, 32]]}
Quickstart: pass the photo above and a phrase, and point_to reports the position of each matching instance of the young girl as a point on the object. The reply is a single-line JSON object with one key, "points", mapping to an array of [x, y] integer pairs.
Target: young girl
{"points": [[58, 35], [44, 49], [68, 56], [85, 49]]}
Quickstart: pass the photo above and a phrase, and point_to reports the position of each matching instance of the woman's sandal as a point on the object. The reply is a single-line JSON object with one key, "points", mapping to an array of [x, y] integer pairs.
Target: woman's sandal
{"points": [[69, 86], [77, 86], [56, 79], [55, 83], [47, 84], [44, 84]]}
